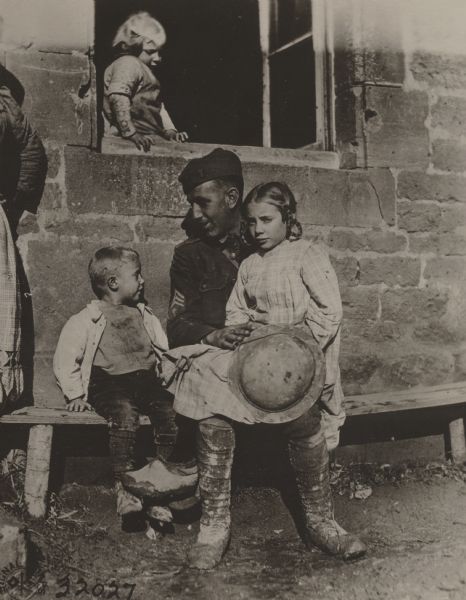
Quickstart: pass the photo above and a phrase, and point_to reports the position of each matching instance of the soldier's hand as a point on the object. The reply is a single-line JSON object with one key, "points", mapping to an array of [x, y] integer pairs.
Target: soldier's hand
{"points": [[229, 337]]}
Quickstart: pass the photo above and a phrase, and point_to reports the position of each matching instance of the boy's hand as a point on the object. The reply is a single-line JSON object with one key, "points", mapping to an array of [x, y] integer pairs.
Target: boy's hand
{"points": [[78, 405], [140, 141], [176, 136], [229, 337]]}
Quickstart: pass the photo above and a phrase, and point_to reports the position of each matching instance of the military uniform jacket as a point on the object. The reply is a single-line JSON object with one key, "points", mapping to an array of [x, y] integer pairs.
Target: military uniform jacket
{"points": [[202, 278]]}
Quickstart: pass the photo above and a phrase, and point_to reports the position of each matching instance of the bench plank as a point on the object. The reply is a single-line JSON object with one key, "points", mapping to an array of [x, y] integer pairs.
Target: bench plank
{"points": [[34, 415], [449, 394]]}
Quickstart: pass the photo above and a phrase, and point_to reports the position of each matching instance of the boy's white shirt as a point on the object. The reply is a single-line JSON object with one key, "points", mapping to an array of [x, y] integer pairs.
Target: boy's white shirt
{"points": [[78, 343]]}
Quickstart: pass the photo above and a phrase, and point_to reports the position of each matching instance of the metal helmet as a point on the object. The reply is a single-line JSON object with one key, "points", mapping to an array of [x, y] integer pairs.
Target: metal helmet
{"points": [[278, 372]]}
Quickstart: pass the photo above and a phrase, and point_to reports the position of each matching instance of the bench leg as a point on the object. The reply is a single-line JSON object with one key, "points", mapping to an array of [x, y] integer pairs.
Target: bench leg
{"points": [[457, 440], [38, 469]]}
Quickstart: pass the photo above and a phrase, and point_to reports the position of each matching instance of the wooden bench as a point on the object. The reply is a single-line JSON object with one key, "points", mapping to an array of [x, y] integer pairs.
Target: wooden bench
{"points": [[42, 422]]}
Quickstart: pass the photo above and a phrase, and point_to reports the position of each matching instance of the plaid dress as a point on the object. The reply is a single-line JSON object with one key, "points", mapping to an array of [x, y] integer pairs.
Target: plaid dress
{"points": [[11, 375], [294, 283]]}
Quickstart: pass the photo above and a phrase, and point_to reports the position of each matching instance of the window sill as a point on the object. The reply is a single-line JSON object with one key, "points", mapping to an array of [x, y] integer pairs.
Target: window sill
{"points": [[283, 156]]}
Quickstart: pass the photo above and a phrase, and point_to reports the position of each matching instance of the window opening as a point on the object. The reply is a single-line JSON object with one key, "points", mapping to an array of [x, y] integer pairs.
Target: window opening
{"points": [[236, 72]]}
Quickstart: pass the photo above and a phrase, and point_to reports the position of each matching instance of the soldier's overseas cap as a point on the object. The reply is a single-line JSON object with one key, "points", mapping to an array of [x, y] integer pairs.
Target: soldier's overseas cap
{"points": [[219, 163]]}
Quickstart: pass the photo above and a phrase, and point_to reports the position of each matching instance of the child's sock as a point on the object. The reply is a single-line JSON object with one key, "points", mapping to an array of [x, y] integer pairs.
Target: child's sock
{"points": [[184, 450], [122, 443]]}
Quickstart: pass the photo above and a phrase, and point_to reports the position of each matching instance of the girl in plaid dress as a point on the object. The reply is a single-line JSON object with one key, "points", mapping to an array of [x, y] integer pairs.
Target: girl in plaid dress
{"points": [[287, 281]]}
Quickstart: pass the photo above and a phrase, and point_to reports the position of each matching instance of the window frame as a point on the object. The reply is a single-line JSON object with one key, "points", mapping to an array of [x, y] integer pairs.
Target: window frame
{"points": [[322, 37]]}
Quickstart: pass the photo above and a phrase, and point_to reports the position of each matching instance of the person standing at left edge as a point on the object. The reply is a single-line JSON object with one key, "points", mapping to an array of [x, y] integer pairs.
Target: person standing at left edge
{"points": [[23, 167]]}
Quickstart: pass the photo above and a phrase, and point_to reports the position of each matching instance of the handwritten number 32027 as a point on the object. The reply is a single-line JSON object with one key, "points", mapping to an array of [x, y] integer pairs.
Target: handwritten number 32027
{"points": [[99, 590]]}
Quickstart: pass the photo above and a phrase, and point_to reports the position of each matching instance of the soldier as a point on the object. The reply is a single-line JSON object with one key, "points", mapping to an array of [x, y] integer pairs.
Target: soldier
{"points": [[203, 274]]}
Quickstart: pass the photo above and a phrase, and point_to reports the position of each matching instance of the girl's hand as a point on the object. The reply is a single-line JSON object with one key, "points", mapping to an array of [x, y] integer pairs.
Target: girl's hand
{"points": [[78, 405]]}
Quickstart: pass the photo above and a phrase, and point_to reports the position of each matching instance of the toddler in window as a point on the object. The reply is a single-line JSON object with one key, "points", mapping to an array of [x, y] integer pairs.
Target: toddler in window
{"points": [[133, 106]]}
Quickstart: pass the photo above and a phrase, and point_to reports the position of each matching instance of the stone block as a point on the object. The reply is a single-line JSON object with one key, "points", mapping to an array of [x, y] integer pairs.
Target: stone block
{"points": [[394, 128], [449, 155], [460, 364], [57, 273], [346, 198], [381, 42], [13, 549], [408, 305], [58, 96], [426, 216], [417, 216], [52, 198], [347, 270], [371, 331], [46, 391], [439, 70], [348, 132], [54, 162], [357, 367], [449, 273], [28, 224], [422, 312], [49, 24], [124, 184], [423, 366], [360, 303], [148, 185], [317, 234], [444, 244], [367, 43], [159, 228], [385, 242], [105, 229], [329, 197], [416, 185], [156, 259], [447, 269], [391, 270], [449, 113]]}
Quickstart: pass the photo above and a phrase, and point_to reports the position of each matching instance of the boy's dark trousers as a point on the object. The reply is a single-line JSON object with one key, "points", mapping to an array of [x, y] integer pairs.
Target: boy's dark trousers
{"points": [[121, 399]]}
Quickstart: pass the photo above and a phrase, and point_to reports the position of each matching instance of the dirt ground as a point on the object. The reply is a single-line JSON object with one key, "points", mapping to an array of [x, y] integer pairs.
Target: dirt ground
{"points": [[412, 519]]}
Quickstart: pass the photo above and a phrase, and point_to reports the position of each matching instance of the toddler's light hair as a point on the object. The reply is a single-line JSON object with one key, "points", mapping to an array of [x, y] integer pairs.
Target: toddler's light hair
{"points": [[139, 32], [106, 263]]}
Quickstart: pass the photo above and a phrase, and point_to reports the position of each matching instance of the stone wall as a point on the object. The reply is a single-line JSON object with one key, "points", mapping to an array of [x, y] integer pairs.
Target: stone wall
{"points": [[392, 216], [401, 105]]}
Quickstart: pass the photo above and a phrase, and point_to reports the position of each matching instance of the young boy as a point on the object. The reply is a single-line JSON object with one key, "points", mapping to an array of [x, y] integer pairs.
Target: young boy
{"points": [[107, 359], [133, 106]]}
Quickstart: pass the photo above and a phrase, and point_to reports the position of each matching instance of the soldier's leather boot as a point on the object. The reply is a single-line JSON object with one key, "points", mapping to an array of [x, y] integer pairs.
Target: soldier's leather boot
{"points": [[215, 447], [309, 459]]}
